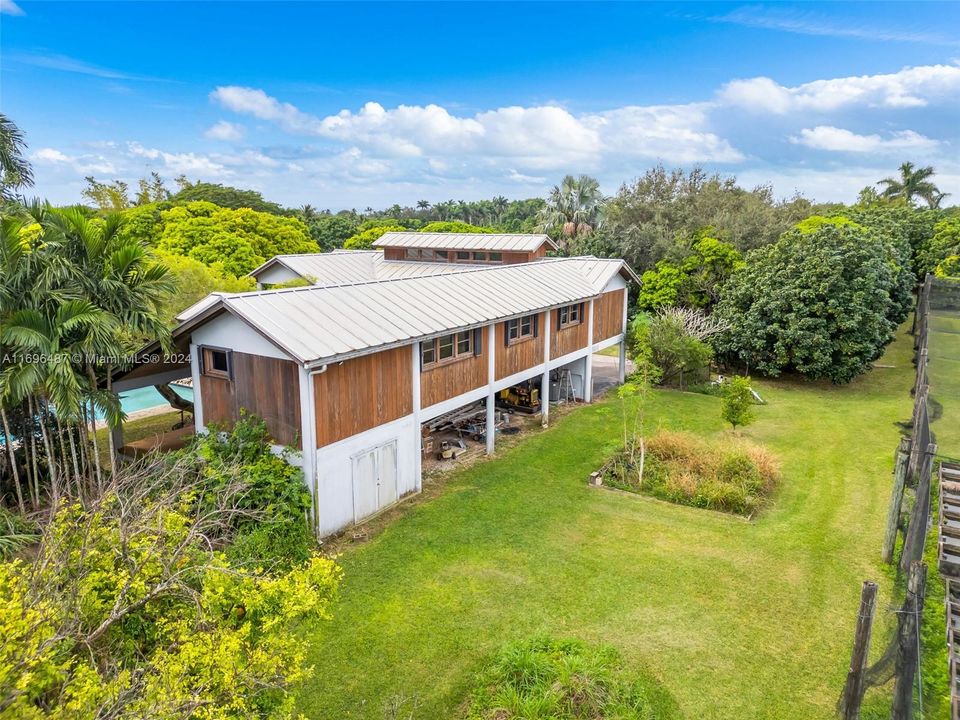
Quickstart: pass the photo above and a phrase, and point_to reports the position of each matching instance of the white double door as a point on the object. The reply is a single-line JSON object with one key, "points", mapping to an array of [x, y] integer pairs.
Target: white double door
{"points": [[374, 480]]}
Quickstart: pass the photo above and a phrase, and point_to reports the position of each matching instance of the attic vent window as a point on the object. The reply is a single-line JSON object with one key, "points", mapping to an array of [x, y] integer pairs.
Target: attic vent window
{"points": [[216, 362]]}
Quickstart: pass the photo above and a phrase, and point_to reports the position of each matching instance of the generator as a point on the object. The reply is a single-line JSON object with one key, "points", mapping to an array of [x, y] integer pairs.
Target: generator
{"points": [[523, 397]]}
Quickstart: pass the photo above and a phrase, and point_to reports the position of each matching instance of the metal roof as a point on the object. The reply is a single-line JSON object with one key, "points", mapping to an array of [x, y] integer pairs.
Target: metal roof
{"points": [[498, 242], [353, 266], [317, 323]]}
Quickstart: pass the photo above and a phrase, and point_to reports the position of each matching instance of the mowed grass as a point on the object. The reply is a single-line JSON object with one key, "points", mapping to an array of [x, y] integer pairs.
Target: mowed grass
{"points": [[736, 619], [944, 377]]}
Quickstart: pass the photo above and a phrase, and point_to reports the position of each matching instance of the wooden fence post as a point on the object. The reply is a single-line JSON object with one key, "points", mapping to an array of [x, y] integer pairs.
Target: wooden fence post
{"points": [[853, 691], [908, 636], [896, 500], [916, 535]]}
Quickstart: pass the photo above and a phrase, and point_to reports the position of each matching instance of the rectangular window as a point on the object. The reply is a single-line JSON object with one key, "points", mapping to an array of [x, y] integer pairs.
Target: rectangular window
{"points": [[447, 348], [412, 254], [521, 328], [496, 257], [426, 254], [479, 257], [442, 254], [463, 255], [464, 342], [569, 315], [428, 352], [216, 362]]}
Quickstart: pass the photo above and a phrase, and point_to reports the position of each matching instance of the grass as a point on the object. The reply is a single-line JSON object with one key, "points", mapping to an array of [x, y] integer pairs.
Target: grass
{"points": [[944, 378], [735, 619]]}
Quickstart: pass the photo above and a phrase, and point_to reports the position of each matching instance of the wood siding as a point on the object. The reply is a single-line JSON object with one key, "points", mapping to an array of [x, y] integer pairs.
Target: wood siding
{"points": [[448, 380], [508, 257], [394, 253], [362, 393], [263, 386], [570, 338], [515, 358], [608, 315]]}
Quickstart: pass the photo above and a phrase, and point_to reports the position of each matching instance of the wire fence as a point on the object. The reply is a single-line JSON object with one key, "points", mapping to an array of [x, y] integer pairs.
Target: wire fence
{"points": [[913, 477]]}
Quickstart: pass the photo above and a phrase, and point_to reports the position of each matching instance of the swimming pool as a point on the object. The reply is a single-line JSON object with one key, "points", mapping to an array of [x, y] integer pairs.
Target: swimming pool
{"points": [[148, 397]]}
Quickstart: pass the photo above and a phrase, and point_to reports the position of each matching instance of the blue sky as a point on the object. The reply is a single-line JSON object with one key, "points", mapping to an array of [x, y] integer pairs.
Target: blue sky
{"points": [[357, 104]]}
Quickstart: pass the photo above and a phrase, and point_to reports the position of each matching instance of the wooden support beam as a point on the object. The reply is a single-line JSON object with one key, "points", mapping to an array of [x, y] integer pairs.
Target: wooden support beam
{"points": [[907, 643], [896, 500], [916, 533], [853, 691]]}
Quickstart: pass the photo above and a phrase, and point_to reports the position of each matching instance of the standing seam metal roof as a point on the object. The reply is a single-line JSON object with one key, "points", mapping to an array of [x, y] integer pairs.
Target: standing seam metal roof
{"points": [[318, 323], [498, 242]]}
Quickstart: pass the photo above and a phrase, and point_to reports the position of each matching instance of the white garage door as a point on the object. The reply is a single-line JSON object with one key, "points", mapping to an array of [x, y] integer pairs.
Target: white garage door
{"points": [[374, 480]]}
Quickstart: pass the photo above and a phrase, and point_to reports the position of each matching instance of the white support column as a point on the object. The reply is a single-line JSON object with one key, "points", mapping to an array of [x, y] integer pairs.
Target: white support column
{"points": [[491, 377], [545, 380], [197, 398], [417, 430], [588, 365], [308, 443]]}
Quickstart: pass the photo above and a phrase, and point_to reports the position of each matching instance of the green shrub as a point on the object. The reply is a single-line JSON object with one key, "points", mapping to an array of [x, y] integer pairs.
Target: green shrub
{"points": [[729, 475], [546, 679]]}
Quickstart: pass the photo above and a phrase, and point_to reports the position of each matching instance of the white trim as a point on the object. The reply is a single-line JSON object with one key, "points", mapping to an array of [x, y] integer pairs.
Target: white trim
{"points": [[417, 429], [197, 395], [160, 378], [604, 344], [308, 441], [545, 380], [588, 369], [491, 393]]}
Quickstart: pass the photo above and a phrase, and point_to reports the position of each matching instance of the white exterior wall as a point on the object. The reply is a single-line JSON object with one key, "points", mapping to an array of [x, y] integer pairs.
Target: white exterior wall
{"points": [[275, 274], [335, 469], [229, 331]]}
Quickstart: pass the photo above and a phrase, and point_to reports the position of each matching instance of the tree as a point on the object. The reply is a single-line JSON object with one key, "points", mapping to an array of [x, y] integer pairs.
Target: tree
{"points": [[108, 197], [194, 281], [128, 607], [736, 404], [666, 343], [937, 253], [329, 231], [454, 226], [574, 206], [364, 238], [239, 239], [911, 185], [226, 197], [15, 171], [423, 205], [695, 281], [817, 303], [152, 190], [654, 217]]}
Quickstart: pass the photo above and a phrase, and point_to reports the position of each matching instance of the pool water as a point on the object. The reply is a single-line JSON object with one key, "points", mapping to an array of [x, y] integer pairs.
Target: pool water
{"points": [[148, 397]]}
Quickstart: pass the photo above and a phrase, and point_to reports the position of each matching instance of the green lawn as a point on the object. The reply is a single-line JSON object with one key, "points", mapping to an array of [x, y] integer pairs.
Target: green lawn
{"points": [[737, 619], [944, 378]]}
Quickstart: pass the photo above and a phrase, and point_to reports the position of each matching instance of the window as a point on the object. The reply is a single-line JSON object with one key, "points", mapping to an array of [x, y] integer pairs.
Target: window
{"points": [[449, 348], [570, 315], [216, 362], [463, 255], [496, 257], [426, 254], [442, 254], [479, 257], [521, 328], [412, 254]]}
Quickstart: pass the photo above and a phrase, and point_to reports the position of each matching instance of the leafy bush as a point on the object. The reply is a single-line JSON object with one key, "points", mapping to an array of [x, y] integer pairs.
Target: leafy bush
{"points": [[271, 528], [664, 341], [729, 475], [818, 303], [128, 611], [368, 233], [546, 679], [454, 226], [693, 282]]}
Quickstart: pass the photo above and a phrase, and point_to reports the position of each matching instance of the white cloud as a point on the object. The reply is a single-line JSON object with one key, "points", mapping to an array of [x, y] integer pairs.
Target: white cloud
{"points": [[538, 137], [224, 130], [9, 7], [80, 164], [50, 155], [189, 164], [909, 88], [827, 137]]}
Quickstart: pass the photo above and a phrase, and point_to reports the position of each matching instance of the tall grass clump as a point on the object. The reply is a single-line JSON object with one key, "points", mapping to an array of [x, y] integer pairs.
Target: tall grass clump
{"points": [[731, 474], [547, 679]]}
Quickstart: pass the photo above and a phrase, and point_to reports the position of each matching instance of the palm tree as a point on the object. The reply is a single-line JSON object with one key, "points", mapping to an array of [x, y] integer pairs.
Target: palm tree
{"points": [[500, 204], [15, 171], [575, 205], [423, 205], [912, 184]]}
